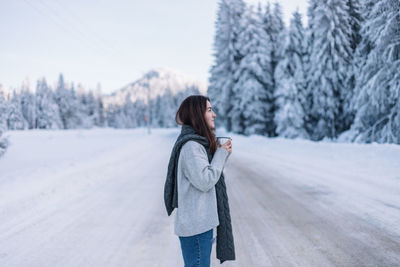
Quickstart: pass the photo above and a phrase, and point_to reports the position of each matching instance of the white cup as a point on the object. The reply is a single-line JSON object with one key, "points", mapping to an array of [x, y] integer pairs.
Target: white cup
{"points": [[222, 140]]}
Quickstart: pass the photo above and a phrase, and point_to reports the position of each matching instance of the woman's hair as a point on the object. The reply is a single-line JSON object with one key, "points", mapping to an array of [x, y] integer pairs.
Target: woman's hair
{"points": [[191, 112]]}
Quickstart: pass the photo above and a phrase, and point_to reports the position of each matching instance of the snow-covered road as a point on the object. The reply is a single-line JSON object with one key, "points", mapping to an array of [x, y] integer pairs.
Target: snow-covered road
{"points": [[279, 222], [95, 198]]}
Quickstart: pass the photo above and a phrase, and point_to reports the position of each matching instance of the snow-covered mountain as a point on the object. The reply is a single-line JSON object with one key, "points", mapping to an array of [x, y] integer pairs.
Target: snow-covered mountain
{"points": [[155, 82]]}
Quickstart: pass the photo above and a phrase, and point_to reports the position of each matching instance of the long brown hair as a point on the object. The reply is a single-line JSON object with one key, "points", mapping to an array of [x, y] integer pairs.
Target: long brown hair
{"points": [[191, 112]]}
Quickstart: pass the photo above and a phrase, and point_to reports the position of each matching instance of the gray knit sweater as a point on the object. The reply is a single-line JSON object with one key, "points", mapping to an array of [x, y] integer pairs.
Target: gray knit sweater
{"points": [[197, 203]]}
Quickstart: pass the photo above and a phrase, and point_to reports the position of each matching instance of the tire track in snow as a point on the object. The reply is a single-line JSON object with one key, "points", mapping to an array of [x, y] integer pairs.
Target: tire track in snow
{"points": [[290, 227]]}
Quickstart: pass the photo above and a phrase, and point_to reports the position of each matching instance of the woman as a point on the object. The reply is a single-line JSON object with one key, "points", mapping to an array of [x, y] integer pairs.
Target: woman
{"points": [[195, 175]]}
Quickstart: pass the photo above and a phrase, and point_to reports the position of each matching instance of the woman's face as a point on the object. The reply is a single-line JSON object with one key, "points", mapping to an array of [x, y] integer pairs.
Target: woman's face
{"points": [[209, 116]]}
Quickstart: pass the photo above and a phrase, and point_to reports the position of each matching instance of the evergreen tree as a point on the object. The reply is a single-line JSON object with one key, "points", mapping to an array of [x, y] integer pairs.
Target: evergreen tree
{"points": [[330, 59], [291, 84], [361, 54], [3, 111], [84, 114], [129, 113], [354, 8], [63, 100], [169, 107], [251, 105], [227, 58], [101, 111], [92, 109], [141, 113], [164, 107], [347, 116], [28, 106], [110, 116], [309, 119], [15, 119], [3, 144], [378, 85], [157, 121], [72, 111], [100, 108], [76, 108], [275, 29], [116, 117], [47, 112], [3, 122]]}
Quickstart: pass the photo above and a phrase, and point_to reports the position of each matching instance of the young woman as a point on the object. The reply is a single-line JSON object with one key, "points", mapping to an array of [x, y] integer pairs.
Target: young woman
{"points": [[195, 185]]}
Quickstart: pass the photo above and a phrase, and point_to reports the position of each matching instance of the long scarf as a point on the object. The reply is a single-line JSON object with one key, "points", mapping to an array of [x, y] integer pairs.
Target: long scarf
{"points": [[225, 242]]}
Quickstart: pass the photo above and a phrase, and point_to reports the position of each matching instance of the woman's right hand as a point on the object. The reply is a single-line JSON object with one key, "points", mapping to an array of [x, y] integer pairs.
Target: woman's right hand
{"points": [[228, 146]]}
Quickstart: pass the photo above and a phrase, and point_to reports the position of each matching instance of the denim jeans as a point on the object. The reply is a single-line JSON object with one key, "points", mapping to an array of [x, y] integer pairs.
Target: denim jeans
{"points": [[196, 249]]}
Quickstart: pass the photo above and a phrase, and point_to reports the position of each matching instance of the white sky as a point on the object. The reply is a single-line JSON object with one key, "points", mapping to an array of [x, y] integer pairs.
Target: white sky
{"points": [[110, 42]]}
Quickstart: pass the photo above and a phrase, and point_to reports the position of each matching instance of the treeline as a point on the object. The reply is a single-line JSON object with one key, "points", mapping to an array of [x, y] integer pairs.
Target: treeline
{"points": [[63, 107], [67, 107], [337, 78]]}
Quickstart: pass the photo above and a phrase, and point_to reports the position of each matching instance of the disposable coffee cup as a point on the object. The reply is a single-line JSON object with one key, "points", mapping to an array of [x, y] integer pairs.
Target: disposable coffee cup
{"points": [[222, 140]]}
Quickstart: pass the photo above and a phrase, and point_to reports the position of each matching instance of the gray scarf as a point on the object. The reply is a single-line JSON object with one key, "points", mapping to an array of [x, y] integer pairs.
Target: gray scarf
{"points": [[225, 242]]}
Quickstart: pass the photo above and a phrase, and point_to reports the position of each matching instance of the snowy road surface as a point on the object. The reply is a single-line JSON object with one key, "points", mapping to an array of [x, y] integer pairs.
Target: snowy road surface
{"points": [[95, 198]]}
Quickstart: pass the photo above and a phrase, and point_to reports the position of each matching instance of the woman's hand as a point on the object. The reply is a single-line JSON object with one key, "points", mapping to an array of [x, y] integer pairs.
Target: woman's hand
{"points": [[228, 146]]}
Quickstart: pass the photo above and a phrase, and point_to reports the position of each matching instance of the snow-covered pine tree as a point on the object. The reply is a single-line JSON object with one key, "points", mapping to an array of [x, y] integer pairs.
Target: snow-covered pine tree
{"points": [[348, 113], [167, 109], [157, 106], [77, 108], [364, 46], [226, 59], [69, 104], [3, 144], [290, 78], [3, 122], [129, 112], [3, 110], [309, 120], [275, 29], [377, 100], [101, 111], [28, 105], [312, 7], [121, 118], [330, 58], [63, 100], [84, 111], [15, 119], [354, 8], [100, 107], [141, 112], [116, 117], [47, 112], [92, 109], [126, 115], [361, 54], [110, 115], [251, 105]]}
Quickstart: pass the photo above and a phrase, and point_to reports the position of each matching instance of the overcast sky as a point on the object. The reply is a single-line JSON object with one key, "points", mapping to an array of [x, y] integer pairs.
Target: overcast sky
{"points": [[108, 42]]}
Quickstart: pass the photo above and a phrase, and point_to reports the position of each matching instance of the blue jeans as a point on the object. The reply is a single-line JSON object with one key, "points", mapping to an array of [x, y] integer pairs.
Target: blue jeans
{"points": [[196, 249]]}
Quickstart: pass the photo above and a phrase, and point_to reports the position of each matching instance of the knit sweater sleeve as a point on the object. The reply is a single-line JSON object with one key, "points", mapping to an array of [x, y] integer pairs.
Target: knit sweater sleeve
{"points": [[196, 168]]}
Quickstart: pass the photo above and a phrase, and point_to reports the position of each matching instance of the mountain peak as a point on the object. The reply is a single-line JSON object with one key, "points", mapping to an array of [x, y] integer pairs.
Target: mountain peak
{"points": [[156, 82]]}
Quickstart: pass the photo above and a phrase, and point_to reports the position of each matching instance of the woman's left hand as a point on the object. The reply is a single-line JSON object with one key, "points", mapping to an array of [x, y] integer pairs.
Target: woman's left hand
{"points": [[228, 146]]}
